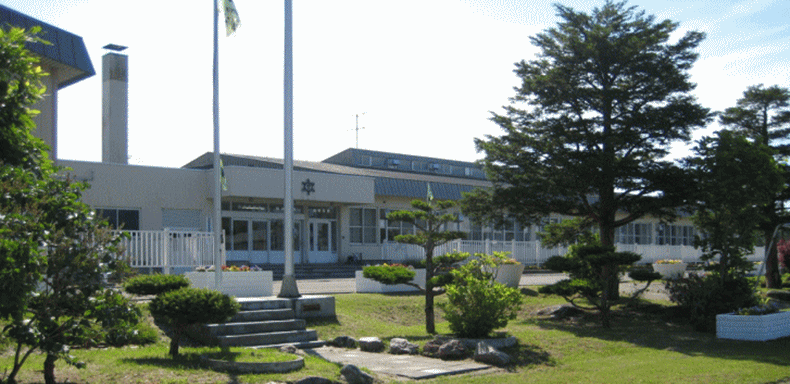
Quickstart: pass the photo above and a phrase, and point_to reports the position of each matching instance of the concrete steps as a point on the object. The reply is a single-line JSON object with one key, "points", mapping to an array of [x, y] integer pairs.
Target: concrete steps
{"points": [[261, 323]]}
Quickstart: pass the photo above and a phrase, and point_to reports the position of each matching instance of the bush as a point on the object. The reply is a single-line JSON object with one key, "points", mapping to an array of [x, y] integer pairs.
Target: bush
{"points": [[388, 274], [187, 306], [155, 284], [702, 298], [477, 304], [117, 316]]}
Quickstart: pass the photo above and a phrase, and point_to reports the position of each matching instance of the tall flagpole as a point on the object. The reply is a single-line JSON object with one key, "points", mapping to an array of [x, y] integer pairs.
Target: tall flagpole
{"points": [[288, 288], [217, 223]]}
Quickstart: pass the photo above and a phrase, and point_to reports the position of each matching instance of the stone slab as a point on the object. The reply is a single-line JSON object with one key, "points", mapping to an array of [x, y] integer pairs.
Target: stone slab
{"points": [[410, 366]]}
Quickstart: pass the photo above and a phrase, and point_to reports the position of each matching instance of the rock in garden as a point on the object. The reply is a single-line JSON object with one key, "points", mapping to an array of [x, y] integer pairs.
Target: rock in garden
{"points": [[289, 349], [343, 342], [354, 375], [400, 346], [314, 380], [485, 353], [560, 312], [452, 350], [371, 344], [431, 348]]}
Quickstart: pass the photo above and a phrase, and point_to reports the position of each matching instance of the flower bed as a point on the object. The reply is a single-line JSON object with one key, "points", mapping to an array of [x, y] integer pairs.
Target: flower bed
{"points": [[365, 285], [756, 328], [239, 284], [670, 269]]}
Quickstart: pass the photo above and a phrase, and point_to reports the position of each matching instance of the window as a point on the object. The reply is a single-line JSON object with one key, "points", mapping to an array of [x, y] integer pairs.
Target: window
{"points": [[675, 234], [634, 233], [388, 229], [127, 219], [512, 230], [362, 225]]}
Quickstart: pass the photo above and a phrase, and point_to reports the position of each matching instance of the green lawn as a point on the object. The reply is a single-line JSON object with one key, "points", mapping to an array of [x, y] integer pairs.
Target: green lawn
{"points": [[645, 345]]}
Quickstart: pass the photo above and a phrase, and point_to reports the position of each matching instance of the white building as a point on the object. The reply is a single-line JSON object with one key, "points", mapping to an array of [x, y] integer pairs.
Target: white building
{"points": [[341, 203]]}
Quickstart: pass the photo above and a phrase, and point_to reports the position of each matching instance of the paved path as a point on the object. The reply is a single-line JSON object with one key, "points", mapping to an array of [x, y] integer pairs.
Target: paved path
{"points": [[410, 366]]}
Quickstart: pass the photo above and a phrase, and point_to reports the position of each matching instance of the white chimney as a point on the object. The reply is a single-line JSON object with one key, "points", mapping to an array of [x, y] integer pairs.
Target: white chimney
{"points": [[115, 105]]}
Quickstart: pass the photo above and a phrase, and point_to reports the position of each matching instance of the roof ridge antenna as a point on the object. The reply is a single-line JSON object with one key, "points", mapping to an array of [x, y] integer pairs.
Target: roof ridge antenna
{"points": [[357, 128]]}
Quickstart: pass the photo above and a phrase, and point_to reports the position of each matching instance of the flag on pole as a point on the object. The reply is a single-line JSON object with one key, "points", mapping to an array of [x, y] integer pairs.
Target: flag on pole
{"points": [[430, 194], [232, 20], [222, 173]]}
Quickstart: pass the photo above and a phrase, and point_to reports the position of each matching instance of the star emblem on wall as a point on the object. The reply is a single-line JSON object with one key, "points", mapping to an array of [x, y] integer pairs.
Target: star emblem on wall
{"points": [[308, 187]]}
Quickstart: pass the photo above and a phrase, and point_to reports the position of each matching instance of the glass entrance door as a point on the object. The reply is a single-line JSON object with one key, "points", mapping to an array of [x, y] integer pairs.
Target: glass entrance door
{"points": [[321, 249]]}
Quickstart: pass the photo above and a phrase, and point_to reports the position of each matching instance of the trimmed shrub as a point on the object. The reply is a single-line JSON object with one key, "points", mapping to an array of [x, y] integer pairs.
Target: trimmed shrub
{"points": [[155, 284], [187, 306], [477, 304], [389, 274]]}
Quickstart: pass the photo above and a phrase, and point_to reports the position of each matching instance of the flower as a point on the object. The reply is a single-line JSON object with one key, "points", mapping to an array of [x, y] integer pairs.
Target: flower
{"points": [[668, 261], [757, 310]]}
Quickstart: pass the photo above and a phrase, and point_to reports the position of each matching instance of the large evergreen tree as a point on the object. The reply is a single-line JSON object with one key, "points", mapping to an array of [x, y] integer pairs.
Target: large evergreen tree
{"points": [[763, 115], [593, 118]]}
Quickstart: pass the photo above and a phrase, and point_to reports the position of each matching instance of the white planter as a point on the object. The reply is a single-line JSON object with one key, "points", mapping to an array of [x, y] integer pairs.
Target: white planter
{"points": [[508, 274], [365, 285], [239, 284], [757, 328], [670, 271]]}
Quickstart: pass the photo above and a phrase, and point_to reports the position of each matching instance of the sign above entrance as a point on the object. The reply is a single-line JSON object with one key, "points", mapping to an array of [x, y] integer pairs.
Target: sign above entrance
{"points": [[308, 187]]}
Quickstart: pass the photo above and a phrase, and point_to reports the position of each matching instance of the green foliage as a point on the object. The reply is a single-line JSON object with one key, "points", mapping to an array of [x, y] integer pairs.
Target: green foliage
{"points": [[763, 115], [154, 284], [568, 232], [187, 306], [20, 88], [431, 219], [477, 304], [592, 119], [389, 274], [736, 178], [53, 252], [594, 270], [702, 298], [117, 316]]}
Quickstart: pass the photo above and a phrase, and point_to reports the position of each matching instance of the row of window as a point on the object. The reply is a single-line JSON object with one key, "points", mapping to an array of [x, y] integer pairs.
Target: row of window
{"points": [[363, 226]]}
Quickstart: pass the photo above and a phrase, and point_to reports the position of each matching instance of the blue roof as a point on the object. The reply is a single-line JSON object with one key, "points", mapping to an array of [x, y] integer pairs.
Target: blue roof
{"points": [[66, 49]]}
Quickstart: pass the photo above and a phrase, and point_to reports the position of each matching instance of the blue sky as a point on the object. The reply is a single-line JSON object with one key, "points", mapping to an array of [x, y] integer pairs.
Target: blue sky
{"points": [[426, 73]]}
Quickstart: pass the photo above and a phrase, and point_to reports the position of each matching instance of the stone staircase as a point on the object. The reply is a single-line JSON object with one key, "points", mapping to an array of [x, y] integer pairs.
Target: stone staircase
{"points": [[261, 323]]}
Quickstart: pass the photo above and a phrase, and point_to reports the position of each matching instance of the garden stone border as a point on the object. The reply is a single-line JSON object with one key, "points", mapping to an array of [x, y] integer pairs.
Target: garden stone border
{"points": [[249, 367]]}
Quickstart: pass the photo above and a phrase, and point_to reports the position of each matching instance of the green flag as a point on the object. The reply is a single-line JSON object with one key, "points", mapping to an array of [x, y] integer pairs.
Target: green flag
{"points": [[232, 20], [222, 175], [430, 194]]}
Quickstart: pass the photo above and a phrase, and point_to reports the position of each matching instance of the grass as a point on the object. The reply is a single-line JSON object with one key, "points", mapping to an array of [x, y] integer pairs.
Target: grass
{"points": [[645, 345], [247, 355]]}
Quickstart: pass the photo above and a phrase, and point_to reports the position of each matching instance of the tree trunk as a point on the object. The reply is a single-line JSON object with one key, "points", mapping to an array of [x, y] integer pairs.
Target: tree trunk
{"points": [[773, 279], [613, 284], [430, 327], [49, 369], [174, 343]]}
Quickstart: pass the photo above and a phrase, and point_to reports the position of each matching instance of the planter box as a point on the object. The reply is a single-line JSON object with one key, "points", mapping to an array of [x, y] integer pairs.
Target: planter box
{"points": [[670, 271], [365, 285], [508, 274], [756, 328], [239, 284]]}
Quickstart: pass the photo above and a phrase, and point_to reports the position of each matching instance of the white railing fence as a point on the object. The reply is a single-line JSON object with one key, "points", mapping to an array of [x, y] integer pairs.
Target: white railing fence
{"points": [[168, 249], [532, 253]]}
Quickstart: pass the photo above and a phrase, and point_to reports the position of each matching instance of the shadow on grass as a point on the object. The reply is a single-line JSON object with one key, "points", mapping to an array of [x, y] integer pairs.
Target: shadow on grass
{"points": [[523, 355], [655, 326]]}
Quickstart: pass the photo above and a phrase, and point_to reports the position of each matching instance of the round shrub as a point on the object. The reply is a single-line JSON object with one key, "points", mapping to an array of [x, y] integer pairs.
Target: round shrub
{"points": [[477, 304], [389, 274], [187, 306], [154, 284], [702, 298]]}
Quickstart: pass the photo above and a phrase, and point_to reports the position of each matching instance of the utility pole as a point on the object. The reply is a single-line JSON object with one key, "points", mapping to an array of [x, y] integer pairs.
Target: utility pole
{"points": [[357, 128]]}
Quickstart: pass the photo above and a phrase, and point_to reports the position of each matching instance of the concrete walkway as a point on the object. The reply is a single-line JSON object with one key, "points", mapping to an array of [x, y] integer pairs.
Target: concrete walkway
{"points": [[410, 366]]}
